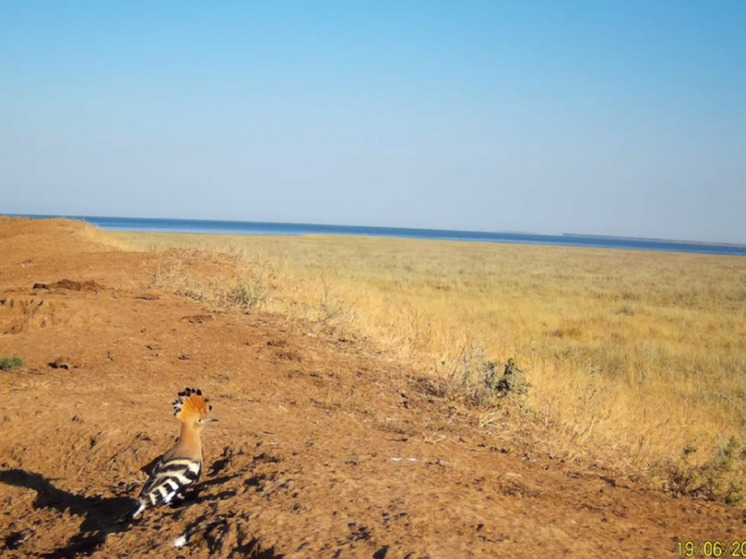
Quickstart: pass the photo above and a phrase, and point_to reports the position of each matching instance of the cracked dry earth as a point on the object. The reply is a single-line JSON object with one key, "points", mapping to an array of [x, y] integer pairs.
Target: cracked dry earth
{"points": [[325, 447]]}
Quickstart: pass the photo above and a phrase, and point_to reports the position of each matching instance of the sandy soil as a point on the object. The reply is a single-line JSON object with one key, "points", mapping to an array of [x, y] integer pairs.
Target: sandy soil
{"points": [[325, 447]]}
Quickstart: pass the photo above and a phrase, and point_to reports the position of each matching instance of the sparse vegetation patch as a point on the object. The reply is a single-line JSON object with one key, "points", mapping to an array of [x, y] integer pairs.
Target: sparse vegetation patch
{"points": [[512, 380], [10, 363], [719, 479]]}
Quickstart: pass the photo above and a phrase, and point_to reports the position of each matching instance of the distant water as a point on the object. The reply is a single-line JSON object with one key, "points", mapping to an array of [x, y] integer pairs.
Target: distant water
{"points": [[295, 229]]}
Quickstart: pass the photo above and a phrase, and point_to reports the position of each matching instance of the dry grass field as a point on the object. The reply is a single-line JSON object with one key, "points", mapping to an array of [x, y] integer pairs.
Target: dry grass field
{"points": [[636, 360]]}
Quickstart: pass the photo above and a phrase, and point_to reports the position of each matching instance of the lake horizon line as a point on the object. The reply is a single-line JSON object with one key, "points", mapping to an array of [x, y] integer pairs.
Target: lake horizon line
{"points": [[238, 227]]}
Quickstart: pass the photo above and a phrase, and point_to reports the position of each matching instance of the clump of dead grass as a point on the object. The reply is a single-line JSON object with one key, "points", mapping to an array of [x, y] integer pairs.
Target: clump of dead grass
{"points": [[220, 280], [90, 233]]}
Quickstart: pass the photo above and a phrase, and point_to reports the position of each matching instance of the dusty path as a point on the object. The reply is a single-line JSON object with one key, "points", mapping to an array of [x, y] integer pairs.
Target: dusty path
{"points": [[324, 448]]}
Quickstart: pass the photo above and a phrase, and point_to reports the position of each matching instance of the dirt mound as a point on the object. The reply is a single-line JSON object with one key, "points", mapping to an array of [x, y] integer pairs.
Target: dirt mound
{"points": [[71, 285], [324, 448]]}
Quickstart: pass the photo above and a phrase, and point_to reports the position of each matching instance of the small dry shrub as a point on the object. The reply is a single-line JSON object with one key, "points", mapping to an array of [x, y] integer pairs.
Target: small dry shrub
{"points": [[719, 479], [512, 381], [10, 363], [480, 379]]}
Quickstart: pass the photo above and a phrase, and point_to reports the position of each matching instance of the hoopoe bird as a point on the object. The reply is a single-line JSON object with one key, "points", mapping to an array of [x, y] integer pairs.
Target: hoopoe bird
{"points": [[181, 466]]}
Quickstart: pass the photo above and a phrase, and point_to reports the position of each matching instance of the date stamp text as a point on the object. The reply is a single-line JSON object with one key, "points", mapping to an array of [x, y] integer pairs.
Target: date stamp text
{"points": [[711, 549]]}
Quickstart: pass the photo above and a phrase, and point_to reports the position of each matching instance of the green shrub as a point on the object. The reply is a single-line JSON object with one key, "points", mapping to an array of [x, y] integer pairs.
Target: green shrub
{"points": [[719, 479], [10, 363], [512, 381], [484, 381]]}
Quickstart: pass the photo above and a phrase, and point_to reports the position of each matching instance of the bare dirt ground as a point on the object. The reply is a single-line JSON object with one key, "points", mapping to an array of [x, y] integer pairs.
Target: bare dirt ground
{"points": [[324, 448]]}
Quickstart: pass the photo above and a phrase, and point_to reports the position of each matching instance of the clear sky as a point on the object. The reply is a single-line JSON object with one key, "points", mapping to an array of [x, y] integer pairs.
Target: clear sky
{"points": [[599, 117]]}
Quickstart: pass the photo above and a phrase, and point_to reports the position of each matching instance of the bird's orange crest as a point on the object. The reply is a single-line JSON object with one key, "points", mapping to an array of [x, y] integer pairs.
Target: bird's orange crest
{"points": [[191, 405]]}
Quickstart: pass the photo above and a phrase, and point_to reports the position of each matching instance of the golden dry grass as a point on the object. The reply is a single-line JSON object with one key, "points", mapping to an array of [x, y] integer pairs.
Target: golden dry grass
{"points": [[631, 356]]}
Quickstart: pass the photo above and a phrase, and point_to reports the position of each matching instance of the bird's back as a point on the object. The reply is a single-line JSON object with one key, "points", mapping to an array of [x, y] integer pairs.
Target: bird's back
{"points": [[172, 474]]}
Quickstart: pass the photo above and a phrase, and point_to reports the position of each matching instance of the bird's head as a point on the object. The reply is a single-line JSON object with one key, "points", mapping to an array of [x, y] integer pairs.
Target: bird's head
{"points": [[192, 408]]}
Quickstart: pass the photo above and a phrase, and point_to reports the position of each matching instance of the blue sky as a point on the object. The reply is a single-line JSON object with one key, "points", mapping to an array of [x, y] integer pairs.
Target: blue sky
{"points": [[599, 117]]}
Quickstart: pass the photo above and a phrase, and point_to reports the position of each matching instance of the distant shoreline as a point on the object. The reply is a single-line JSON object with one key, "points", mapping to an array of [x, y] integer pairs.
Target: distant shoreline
{"points": [[203, 226]]}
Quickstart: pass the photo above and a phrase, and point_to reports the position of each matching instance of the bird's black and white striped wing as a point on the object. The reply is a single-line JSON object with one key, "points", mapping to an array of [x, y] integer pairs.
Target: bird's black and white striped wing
{"points": [[169, 479]]}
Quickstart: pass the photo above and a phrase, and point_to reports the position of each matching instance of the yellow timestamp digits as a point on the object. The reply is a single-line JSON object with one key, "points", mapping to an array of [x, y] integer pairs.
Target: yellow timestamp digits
{"points": [[712, 549]]}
